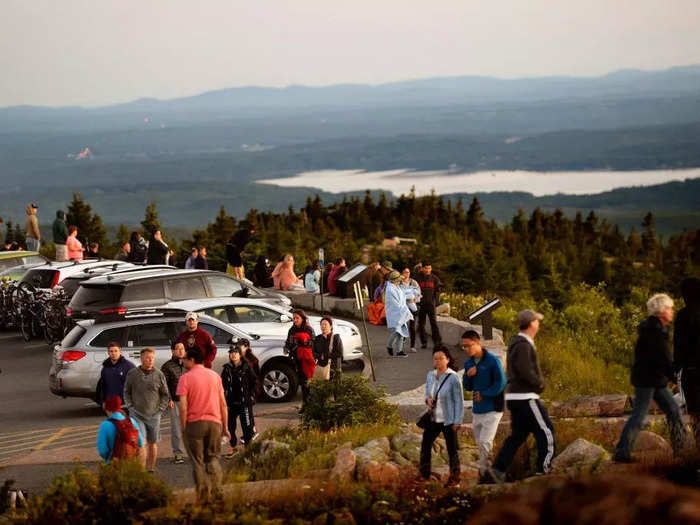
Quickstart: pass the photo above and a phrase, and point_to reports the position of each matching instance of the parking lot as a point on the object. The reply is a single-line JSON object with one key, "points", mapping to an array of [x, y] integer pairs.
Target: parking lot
{"points": [[43, 434]]}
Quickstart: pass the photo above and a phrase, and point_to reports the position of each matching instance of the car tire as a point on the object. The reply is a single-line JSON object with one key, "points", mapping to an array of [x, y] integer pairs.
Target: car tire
{"points": [[280, 382]]}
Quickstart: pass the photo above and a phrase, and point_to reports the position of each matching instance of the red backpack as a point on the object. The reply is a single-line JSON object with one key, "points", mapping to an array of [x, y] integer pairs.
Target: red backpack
{"points": [[126, 442]]}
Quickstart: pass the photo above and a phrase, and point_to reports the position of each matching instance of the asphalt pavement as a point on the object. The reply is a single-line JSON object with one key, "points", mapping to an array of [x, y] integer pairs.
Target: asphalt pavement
{"points": [[42, 435]]}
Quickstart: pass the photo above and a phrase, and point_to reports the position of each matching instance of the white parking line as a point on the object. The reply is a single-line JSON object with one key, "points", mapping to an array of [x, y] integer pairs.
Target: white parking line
{"points": [[10, 336]]}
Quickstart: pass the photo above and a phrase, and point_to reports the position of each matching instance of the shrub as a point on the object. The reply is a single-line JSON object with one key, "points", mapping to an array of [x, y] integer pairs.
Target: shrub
{"points": [[116, 494], [345, 400]]}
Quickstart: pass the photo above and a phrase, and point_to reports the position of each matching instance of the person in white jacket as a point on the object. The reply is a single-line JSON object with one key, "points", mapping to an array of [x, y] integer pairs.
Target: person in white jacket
{"points": [[397, 315]]}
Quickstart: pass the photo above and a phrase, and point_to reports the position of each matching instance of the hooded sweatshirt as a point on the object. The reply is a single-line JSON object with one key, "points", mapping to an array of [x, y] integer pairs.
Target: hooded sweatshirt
{"points": [[113, 377], [60, 230], [32, 226]]}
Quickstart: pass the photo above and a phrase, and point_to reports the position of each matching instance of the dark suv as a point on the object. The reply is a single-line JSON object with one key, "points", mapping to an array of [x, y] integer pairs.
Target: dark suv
{"points": [[118, 292]]}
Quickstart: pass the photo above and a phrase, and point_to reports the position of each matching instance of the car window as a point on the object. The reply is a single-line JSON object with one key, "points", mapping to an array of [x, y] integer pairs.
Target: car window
{"points": [[254, 314], [96, 296], [111, 334], [221, 337], [73, 336], [222, 286], [144, 291], [220, 313], [33, 259], [39, 278], [152, 334], [186, 288]]}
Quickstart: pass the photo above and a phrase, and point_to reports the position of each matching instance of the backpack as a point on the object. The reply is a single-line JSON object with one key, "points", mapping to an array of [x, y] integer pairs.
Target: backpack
{"points": [[126, 442]]}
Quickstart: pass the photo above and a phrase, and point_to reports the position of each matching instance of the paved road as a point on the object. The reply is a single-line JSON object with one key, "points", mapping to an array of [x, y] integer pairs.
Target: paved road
{"points": [[37, 423]]}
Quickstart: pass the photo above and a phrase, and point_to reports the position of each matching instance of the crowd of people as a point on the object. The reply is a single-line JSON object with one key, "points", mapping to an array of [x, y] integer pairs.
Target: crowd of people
{"points": [[204, 406]]}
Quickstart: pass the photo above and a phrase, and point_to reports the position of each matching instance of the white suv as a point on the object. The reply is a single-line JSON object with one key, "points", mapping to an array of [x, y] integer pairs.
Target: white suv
{"points": [[77, 361], [46, 276], [267, 320]]}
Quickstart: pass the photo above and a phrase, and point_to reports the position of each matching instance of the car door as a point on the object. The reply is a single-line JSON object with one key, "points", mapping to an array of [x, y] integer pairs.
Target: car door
{"points": [[159, 336], [221, 338], [223, 286], [258, 320], [184, 288]]}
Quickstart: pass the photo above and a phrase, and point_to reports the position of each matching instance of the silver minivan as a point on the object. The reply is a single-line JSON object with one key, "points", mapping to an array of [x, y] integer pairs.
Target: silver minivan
{"points": [[77, 361]]}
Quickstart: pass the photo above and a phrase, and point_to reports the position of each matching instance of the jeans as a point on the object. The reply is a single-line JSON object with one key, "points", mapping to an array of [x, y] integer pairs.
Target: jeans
{"points": [[395, 340], [430, 434], [32, 244], [484, 427], [176, 431], [423, 311], [642, 400], [203, 441], [528, 416]]}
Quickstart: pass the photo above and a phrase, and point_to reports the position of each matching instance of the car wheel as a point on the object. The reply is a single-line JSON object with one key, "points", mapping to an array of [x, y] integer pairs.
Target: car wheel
{"points": [[279, 382]]}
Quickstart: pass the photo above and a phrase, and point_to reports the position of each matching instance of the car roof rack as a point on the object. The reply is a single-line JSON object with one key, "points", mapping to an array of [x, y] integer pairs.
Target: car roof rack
{"points": [[138, 313]]}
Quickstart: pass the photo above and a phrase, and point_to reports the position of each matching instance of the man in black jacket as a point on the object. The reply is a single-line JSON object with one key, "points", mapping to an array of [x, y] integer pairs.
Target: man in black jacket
{"points": [[430, 298], [238, 380], [157, 250], [528, 414], [651, 372], [173, 370], [686, 351]]}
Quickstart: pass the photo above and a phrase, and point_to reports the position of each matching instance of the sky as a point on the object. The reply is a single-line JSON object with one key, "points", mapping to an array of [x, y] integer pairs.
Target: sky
{"points": [[100, 52]]}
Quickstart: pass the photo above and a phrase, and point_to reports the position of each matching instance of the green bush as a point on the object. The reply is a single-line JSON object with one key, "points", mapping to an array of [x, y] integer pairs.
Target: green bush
{"points": [[116, 494], [345, 400]]}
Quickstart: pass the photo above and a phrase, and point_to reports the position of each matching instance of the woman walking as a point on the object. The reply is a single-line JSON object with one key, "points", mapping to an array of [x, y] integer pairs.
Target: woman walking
{"points": [[328, 351], [445, 401], [298, 346]]}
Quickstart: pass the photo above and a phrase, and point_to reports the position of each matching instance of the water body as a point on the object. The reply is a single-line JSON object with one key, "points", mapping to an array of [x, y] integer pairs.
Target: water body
{"points": [[442, 182]]}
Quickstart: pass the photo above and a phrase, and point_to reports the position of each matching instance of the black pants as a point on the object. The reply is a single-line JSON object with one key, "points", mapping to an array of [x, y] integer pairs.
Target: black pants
{"points": [[528, 416], [245, 414], [430, 434], [412, 332], [429, 310]]}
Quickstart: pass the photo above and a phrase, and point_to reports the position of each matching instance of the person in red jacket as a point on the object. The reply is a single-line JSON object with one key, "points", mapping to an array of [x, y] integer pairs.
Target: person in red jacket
{"points": [[195, 337]]}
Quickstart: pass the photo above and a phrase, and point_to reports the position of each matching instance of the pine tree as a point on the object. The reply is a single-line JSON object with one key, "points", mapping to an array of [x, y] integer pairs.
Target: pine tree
{"points": [[150, 222], [90, 226], [475, 220], [648, 235], [122, 235]]}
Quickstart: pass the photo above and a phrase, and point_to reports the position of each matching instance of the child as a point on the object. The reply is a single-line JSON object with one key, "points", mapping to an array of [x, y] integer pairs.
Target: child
{"points": [[239, 382]]}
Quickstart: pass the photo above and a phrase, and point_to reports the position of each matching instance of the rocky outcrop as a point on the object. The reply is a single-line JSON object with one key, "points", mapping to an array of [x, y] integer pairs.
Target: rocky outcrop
{"points": [[345, 463], [652, 443], [581, 456], [375, 450], [590, 406], [268, 446], [376, 473]]}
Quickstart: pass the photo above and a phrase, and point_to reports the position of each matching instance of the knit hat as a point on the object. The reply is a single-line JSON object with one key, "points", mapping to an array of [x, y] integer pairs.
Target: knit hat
{"points": [[113, 404]]}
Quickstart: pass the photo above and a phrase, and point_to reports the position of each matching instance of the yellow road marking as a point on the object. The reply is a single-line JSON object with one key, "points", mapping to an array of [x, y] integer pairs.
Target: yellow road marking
{"points": [[52, 438]]}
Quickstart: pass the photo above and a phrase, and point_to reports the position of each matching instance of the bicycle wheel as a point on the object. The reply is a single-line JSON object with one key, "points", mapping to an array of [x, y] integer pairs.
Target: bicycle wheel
{"points": [[26, 325]]}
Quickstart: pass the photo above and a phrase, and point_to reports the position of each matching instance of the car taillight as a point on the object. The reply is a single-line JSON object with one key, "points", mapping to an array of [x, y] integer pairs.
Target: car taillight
{"points": [[69, 312], [54, 279], [72, 355], [119, 311]]}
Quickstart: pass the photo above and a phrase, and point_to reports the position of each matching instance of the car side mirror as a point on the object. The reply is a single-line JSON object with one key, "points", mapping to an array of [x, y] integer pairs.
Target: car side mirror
{"points": [[285, 318]]}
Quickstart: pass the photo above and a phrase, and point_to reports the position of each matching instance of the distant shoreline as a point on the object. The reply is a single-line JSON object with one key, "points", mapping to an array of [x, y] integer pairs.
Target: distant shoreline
{"points": [[444, 182]]}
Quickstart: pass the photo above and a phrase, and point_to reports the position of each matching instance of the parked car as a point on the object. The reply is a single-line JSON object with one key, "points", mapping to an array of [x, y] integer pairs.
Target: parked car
{"points": [[50, 274], [72, 283], [115, 293], [14, 263], [260, 318], [77, 361]]}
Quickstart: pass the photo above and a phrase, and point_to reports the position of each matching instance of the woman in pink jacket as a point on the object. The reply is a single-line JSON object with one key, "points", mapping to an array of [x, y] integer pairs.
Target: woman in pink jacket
{"points": [[73, 245], [284, 277]]}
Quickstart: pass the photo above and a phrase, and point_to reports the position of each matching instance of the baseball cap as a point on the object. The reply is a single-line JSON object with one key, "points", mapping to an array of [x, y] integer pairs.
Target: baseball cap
{"points": [[191, 315], [527, 316]]}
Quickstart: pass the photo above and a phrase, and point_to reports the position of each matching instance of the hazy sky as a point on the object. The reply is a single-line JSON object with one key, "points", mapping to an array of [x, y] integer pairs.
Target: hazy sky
{"points": [[93, 52]]}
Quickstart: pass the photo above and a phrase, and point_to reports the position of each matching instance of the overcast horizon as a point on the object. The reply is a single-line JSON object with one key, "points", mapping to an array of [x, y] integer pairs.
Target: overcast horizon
{"points": [[77, 52]]}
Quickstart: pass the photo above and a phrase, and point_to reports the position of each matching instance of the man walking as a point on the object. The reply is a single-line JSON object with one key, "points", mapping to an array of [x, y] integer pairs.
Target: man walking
{"points": [[33, 238], [195, 337], [430, 297], [651, 372], [528, 414], [483, 375], [203, 418], [172, 370], [60, 235], [146, 395], [113, 374]]}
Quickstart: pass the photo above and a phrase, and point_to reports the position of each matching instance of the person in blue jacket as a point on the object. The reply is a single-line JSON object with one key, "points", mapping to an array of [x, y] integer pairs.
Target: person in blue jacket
{"points": [[445, 400], [113, 374], [483, 375], [107, 432]]}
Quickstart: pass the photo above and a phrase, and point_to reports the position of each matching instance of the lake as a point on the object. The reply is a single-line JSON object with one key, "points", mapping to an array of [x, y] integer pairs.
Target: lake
{"points": [[444, 182]]}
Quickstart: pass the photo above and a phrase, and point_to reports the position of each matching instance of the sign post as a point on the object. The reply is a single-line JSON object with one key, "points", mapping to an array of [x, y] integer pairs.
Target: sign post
{"points": [[360, 304], [321, 260]]}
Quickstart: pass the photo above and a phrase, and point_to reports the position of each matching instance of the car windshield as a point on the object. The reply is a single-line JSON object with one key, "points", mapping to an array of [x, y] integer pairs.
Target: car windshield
{"points": [[96, 296], [40, 278], [73, 336]]}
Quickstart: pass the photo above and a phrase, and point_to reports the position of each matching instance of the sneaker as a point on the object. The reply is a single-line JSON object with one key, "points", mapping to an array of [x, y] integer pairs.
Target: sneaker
{"points": [[390, 351], [231, 454], [497, 476], [452, 481], [179, 460], [413, 350], [402, 354]]}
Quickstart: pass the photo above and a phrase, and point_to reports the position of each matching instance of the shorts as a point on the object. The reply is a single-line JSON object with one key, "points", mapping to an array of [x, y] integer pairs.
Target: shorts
{"points": [[149, 426]]}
